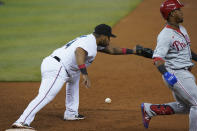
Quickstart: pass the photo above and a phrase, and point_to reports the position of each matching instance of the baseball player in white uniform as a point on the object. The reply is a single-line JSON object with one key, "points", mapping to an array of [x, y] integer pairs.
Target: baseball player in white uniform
{"points": [[65, 65], [173, 58]]}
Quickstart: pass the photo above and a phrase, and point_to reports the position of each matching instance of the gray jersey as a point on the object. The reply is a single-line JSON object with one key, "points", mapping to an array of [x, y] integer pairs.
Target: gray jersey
{"points": [[174, 47]]}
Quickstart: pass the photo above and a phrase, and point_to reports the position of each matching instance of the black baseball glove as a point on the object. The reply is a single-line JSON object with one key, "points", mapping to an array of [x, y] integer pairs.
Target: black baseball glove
{"points": [[146, 52]]}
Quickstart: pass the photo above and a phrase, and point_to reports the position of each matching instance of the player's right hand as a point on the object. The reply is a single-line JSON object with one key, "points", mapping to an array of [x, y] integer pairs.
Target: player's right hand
{"points": [[86, 81], [170, 78]]}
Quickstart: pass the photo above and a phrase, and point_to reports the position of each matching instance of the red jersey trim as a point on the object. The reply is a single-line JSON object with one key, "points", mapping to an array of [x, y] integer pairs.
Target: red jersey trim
{"points": [[178, 30]]}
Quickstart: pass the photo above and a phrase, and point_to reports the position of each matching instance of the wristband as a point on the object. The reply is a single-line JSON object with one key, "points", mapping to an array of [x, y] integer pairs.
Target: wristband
{"points": [[127, 51], [162, 69], [155, 59], [83, 69], [124, 50]]}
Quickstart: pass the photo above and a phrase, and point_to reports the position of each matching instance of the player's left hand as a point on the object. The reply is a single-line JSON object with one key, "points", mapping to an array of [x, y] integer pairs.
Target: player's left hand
{"points": [[141, 51], [86, 81]]}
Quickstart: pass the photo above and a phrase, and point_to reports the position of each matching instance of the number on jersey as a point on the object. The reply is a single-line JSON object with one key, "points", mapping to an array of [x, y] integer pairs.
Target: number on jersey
{"points": [[70, 43]]}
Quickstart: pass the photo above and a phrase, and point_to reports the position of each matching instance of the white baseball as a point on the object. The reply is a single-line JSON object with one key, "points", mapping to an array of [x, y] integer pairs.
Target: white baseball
{"points": [[108, 100]]}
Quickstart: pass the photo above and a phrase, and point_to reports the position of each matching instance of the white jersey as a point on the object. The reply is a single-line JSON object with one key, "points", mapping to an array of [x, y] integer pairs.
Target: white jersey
{"points": [[55, 73], [67, 52], [174, 47]]}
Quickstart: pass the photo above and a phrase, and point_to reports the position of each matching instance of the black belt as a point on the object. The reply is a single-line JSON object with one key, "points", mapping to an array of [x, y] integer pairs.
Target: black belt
{"points": [[57, 58], [184, 68]]}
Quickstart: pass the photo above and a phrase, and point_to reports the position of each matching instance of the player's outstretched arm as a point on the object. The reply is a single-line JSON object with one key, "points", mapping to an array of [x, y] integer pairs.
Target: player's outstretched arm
{"points": [[80, 55], [137, 50], [115, 50], [194, 56]]}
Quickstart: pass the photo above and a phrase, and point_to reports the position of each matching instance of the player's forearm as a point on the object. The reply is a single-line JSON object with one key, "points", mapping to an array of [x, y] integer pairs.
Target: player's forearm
{"points": [[80, 56], [194, 56], [117, 51], [159, 63], [110, 49], [121, 51], [169, 78]]}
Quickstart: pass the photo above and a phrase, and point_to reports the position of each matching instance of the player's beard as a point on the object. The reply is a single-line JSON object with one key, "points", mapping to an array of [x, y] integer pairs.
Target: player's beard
{"points": [[180, 20], [103, 43]]}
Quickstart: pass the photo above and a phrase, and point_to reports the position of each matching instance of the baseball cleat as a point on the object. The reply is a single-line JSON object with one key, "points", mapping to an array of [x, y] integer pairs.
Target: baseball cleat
{"points": [[21, 126], [76, 117], [145, 117]]}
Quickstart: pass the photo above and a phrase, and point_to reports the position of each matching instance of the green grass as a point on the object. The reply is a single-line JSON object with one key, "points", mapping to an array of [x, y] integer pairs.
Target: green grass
{"points": [[31, 30]]}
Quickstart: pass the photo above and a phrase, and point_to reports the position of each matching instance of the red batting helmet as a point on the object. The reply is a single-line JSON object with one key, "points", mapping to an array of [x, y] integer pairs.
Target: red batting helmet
{"points": [[168, 6]]}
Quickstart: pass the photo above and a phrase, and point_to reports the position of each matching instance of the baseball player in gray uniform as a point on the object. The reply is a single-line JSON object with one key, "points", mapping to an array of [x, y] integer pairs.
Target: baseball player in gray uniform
{"points": [[173, 58], [66, 64]]}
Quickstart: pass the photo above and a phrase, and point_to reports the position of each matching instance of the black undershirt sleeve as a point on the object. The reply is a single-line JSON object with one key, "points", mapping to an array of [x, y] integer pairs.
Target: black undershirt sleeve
{"points": [[194, 56], [162, 69]]}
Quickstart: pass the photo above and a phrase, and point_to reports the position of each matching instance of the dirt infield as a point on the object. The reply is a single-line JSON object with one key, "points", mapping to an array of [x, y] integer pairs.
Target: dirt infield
{"points": [[127, 80]]}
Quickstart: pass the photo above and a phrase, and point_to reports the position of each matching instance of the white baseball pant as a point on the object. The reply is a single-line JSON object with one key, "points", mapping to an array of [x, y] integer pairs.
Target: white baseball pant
{"points": [[54, 75], [185, 93]]}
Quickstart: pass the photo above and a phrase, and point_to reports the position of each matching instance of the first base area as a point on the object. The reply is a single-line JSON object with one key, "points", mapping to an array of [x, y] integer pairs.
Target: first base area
{"points": [[20, 130]]}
